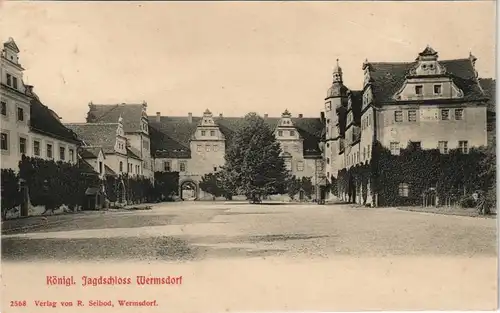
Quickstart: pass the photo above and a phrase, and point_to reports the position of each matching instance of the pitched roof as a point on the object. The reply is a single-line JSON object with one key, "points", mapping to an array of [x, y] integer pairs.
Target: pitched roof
{"points": [[11, 44], [489, 87], [171, 136], [85, 167], [388, 78], [356, 105], [96, 134], [133, 153], [43, 120], [108, 171], [110, 113], [89, 152]]}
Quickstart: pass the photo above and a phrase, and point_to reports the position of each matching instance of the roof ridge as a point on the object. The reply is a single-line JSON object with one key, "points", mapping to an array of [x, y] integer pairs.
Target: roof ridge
{"points": [[93, 124]]}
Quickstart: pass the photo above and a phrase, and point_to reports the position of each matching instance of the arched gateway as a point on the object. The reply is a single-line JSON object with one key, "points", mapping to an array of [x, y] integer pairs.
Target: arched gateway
{"points": [[188, 190]]}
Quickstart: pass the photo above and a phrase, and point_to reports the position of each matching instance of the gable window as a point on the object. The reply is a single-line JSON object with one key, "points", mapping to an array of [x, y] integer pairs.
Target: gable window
{"points": [[280, 133], [9, 80], [300, 166], [292, 133], [398, 116], [182, 166], [395, 150], [412, 115], [459, 114], [203, 133], [437, 89], [36, 148], [49, 151], [419, 90], [20, 114], [14, 82], [71, 155], [463, 146], [443, 147], [100, 167], [62, 153], [4, 108], [445, 114], [167, 166], [121, 166], [212, 133], [403, 190], [22, 145], [5, 141]]}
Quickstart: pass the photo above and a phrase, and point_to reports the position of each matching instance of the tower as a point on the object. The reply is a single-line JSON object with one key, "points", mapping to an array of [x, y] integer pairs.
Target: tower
{"points": [[335, 109]]}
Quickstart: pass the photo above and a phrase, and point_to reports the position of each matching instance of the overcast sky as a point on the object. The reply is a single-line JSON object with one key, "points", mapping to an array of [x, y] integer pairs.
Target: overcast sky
{"points": [[230, 57]]}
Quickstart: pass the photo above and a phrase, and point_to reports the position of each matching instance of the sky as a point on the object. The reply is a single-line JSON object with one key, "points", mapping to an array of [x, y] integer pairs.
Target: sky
{"points": [[229, 57]]}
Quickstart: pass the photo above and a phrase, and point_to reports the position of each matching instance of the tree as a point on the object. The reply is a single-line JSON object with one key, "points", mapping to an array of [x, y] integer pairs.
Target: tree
{"points": [[488, 165], [293, 186], [213, 184], [166, 185], [254, 166], [307, 186], [11, 196]]}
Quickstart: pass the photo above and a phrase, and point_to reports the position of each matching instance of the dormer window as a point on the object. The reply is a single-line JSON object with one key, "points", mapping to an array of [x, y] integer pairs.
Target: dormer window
{"points": [[419, 90], [212, 133], [437, 89], [280, 133], [292, 133], [203, 133]]}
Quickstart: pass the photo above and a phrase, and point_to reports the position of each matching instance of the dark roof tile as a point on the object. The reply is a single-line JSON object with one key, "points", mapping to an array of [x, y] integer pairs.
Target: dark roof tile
{"points": [[96, 134], [110, 113]]}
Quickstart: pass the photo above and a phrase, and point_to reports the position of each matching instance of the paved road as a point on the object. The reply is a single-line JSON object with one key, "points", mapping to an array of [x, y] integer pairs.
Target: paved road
{"points": [[195, 231]]}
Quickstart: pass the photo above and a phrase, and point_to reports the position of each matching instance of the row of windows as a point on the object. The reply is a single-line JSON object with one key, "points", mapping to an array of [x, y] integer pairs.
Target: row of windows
{"points": [[130, 168], [5, 112], [167, 166], [282, 132], [445, 115], [215, 148], [204, 133], [299, 165], [287, 148], [12, 81], [37, 151], [437, 89], [463, 146], [357, 157]]}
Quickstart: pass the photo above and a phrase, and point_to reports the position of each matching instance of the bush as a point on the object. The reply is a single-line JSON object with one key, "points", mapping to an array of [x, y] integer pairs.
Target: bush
{"points": [[467, 202]]}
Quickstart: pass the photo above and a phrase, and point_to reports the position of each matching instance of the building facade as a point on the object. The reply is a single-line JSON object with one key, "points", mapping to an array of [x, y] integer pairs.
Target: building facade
{"points": [[28, 127], [429, 103]]}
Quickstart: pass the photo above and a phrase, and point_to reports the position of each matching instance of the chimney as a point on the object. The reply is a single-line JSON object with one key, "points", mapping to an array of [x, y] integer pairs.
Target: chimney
{"points": [[158, 117], [220, 115], [265, 115], [190, 117], [300, 115]]}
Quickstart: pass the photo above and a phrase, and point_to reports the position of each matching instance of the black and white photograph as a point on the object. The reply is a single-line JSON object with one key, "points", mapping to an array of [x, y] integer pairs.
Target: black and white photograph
{"points": [[232, 156]]}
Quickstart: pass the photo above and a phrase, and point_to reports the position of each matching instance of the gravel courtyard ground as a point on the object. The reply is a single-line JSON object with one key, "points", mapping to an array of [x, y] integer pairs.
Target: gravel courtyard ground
{"points": [[412, 255]]}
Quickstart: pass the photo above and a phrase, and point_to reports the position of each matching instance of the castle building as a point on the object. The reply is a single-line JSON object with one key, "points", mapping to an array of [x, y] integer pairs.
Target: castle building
{"points": [[429, 103], [28, 127], [195, 146]]}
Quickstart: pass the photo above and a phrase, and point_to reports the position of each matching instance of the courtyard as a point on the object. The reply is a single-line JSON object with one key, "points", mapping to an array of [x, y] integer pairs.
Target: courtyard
{"points": [[329, 257]]}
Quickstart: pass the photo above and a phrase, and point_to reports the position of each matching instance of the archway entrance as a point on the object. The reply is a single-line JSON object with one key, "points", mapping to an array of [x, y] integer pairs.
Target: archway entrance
{"points": [[189, 190]]}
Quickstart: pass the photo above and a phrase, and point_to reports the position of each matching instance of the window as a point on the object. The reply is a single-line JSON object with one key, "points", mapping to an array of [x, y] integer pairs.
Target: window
{"points": [[280, 133], [4, 108], [300, 165], [292, 133], [5, 141], [445, 114], [285, 148], [216, 148], [296, 148], [203, 133], [167, 166], [121, 166], [36, 147], [443, 147], [207, 148], [49, 151], [182, 166], [9, 80], [100, 167], [145, 144], [14, 82], [463, 146], [364, 153], [327, 160], [419, 90], [404, 190], [288, 164], [328, 121], [215, 168], [395, 150], [20, 114], [459, 114], [398, 116], [198, 148], [415, 145], [129, 167], [71, 155], [368, 151], [22, 145], [62, 153], [212, 133], [437, 89], [412, 115]]}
